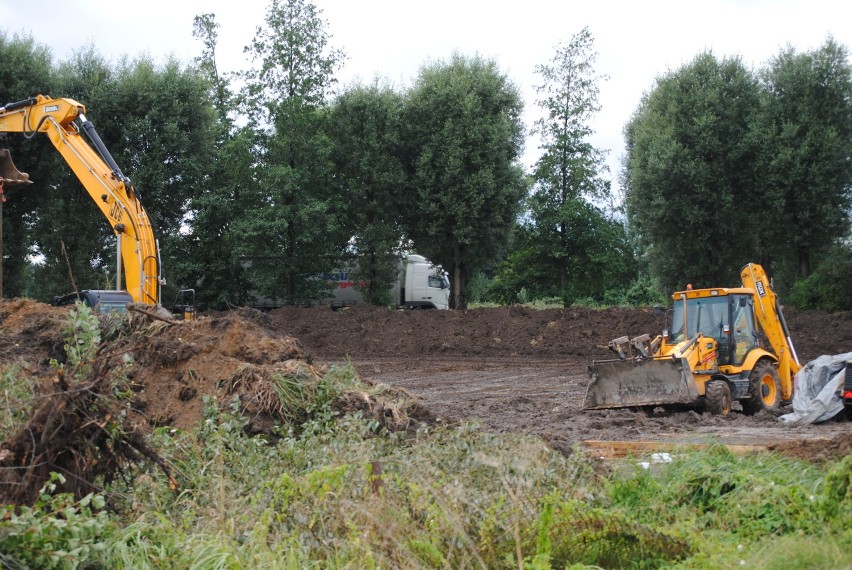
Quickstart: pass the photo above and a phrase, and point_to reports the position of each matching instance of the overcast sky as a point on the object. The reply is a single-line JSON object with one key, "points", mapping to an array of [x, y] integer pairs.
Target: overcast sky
{"points": [[636, 40]]}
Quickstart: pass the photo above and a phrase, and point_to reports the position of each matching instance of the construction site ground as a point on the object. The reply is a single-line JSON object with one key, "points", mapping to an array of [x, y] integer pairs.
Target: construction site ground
{"points": [[513, 369]]}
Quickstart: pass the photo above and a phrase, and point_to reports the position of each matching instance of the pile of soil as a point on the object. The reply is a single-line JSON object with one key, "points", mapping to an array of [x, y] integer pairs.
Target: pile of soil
{"points": [[578, 335], [236, 358]]}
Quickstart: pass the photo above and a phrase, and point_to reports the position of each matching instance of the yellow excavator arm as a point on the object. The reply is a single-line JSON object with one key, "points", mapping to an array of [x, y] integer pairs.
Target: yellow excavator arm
{"points": [[768, 313], [113, 192]]}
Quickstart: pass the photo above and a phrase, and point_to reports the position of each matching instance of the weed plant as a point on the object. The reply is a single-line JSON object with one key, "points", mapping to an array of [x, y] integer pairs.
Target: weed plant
{"points": [[17, 390]]}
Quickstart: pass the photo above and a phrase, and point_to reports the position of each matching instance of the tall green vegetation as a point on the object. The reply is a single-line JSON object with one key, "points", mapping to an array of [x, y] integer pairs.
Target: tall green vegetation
{"points": [[805, 173], [365, 126], [567, 246], [156, 121], [291, 224], [464, 136], [256, 190], [690, 171], [726, 165], [25, 69], [209, 257]]}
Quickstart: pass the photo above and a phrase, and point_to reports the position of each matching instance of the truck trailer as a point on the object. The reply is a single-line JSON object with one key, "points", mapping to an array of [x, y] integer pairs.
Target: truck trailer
{"points": [[419, 285]]}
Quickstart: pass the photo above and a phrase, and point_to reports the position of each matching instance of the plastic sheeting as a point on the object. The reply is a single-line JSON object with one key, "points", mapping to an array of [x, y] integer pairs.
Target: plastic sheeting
{"points": [[817, 397]]}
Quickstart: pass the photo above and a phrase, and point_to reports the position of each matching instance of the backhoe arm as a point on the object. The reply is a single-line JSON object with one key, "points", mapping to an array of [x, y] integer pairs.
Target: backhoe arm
{"points": [[768, 313], [113, 192]]}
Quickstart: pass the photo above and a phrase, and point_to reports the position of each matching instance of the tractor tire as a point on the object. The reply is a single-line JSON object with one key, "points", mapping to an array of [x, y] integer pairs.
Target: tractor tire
{"points": [[717, 398], [764, 389]]}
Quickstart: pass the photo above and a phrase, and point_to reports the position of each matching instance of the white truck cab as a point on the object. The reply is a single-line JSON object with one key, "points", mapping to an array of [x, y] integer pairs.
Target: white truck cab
{"points": [[425, 285]]}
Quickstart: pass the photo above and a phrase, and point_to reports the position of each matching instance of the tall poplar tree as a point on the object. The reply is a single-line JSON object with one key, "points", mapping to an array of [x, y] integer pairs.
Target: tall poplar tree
{"points": [[574, 242], [292, 226], [463, 139], [805, 170]]}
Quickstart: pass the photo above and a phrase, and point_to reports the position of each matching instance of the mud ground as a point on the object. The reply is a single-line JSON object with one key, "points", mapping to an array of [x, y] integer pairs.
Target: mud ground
{"points": [[521, 370], [512, 369]]}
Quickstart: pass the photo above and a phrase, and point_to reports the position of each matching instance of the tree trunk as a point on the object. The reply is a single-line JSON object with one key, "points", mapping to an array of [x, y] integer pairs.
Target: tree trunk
{"points": [[458, 299], [804, 262]]}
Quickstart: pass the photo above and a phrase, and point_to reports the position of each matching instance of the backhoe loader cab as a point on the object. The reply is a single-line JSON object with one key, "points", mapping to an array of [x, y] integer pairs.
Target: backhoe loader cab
{"points": [[723, 345], [724, 315]]}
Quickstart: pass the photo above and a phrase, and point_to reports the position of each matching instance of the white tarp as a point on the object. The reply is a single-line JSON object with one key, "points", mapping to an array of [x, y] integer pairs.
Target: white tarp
{"points": [[816, 398]]}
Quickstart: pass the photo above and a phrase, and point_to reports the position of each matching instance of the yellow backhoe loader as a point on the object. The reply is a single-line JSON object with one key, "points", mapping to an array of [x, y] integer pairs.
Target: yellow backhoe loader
{"points": [[724, 345], [63, 120]]}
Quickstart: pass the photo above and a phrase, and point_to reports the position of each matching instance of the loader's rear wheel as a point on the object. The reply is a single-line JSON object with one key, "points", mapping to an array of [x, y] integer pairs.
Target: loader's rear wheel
{"points": [[717, 398], [764, 392]]}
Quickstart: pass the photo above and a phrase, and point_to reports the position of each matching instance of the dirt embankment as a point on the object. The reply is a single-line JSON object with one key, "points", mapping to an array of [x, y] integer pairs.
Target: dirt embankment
{"points": [[575, 335]]}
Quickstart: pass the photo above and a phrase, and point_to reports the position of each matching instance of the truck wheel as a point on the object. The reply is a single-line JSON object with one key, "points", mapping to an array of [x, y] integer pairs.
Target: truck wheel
{"points": [[717, 398], [764, 391]]}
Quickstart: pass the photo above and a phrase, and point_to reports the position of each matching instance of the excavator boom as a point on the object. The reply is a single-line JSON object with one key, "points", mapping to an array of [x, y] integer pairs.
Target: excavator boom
{"points": [[96, 169]]}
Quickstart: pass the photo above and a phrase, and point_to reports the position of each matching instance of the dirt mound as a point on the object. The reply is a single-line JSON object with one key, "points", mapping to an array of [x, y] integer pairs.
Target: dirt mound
{"points": [[363, 330], [31, 332], [832, 449], [177, 365], [816, 333]]}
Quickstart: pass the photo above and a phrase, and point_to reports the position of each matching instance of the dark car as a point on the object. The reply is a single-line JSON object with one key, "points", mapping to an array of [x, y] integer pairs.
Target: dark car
{"points": [[101, 300]]}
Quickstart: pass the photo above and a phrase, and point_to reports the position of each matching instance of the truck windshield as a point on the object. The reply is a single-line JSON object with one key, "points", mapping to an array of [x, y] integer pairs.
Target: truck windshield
{"points": [[707, 315]]}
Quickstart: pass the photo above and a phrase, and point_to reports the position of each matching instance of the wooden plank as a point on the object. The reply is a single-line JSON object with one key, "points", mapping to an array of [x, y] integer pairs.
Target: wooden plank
{"points": [[621, 449]]}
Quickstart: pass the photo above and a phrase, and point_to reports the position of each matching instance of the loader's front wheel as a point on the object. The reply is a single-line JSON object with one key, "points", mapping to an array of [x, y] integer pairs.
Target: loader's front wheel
{"points": [[717, 398], [764, 391]]}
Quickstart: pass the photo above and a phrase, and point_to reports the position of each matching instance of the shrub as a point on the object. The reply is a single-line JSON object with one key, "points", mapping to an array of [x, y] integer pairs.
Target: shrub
{"points": [[826, 289], [56, 532]]}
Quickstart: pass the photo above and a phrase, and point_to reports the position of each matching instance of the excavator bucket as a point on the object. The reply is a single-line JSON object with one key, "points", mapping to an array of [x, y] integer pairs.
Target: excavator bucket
{"points": [[9, 175], [639, 382]]}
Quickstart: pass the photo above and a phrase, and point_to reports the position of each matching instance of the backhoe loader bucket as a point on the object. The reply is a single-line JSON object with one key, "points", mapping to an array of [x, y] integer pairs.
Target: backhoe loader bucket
{"points": [[639, 382], [9, 175]]}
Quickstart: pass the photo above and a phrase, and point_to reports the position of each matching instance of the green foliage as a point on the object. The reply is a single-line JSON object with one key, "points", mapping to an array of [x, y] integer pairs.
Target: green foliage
{"points": [[291, 224], [82, 338], [643, 291], [463, 139], [826, 289], [17, 389], [725, 164], [805, 132], [56, 532], [750, 497], [690, 171], [365, 128], [794, 552], [25, 70]]}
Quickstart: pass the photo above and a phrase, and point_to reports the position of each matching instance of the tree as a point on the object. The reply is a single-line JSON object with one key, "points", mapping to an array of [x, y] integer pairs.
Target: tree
{"points": [[365, 128], [293, 224], [567, 229], [463, 133], [689, 174], [805, 166], [209, 258], [25, 70]]}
